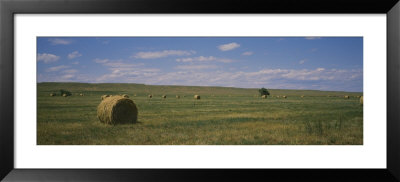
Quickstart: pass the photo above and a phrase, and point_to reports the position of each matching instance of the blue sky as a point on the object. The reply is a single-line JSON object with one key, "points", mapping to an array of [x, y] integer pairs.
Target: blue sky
{"points": [[317, 63]]}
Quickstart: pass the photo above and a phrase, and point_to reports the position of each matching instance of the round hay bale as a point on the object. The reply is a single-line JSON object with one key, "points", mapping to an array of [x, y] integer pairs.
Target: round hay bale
{"points": [[64, 95], [150, 96], [81, 94], [346, 97], [52, 94], [135, 95], [104, 96], [178, 96], [197, 97], [302, 96], [284, 96], [117, 110], [264, 96], [124, 95], [164, 96], [362, 100]]}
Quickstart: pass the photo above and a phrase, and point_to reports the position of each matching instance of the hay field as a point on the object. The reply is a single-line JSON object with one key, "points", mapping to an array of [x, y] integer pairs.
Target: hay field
{"points": [[223, 116]]}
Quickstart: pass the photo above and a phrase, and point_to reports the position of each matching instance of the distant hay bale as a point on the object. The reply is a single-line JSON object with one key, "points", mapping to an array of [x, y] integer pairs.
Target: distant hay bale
{"points": [[164, 96], [104, 96], [362, 100], [178, 96], [284, 96], [135, 95], [277, 96], [302, 96], [197, 97], [64, 95], [124, 95], [346, 97], [52, 94], [264, 96], [81, 94], [117, 110], [150, 96]]}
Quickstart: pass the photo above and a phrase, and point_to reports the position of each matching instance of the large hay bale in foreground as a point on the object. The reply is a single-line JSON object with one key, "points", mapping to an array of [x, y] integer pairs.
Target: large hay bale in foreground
{"points": [[362, 100], [104, 96], [117, 110], [346, 97], [197, 97], [264, 96]]}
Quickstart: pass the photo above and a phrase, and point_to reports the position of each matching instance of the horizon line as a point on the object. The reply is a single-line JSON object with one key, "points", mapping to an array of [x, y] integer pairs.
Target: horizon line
{"points": [[207, 86]]}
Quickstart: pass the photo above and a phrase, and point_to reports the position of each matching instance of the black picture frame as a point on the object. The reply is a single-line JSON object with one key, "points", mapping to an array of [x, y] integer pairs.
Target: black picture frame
{"points": [[8, 8]]}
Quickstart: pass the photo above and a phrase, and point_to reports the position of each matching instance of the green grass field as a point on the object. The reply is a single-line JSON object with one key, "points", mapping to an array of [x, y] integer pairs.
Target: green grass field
{"points": [[223, 116]]}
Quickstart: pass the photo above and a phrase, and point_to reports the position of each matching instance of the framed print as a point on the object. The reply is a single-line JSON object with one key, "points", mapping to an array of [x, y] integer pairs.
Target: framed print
{"points": [[199, 90]]}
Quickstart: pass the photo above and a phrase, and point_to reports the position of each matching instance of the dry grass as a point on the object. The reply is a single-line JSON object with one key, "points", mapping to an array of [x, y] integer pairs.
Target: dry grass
{"points": [[117, 110], [221, 120], [104, 96]]}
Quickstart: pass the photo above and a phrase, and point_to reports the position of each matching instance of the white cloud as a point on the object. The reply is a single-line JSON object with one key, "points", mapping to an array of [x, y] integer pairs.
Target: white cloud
{"points": [[47, 58], [272, 78], [76, 62], [161, 54], [101, 60], [56, 68], [195, 67], [204, 59], [74, 54], [121, 71], [68, 76], [70, 71], [58, 41], [302, 61], [228, 47], [312, 38], [248, 53]]}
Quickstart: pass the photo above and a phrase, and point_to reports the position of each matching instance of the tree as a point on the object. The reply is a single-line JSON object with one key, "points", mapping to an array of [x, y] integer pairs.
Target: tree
{"points": [[62, 92], [263, 91]]}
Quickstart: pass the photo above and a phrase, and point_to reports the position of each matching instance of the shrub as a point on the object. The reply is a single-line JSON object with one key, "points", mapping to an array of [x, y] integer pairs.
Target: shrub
{"points": [[263, 91], [66, 92]]}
